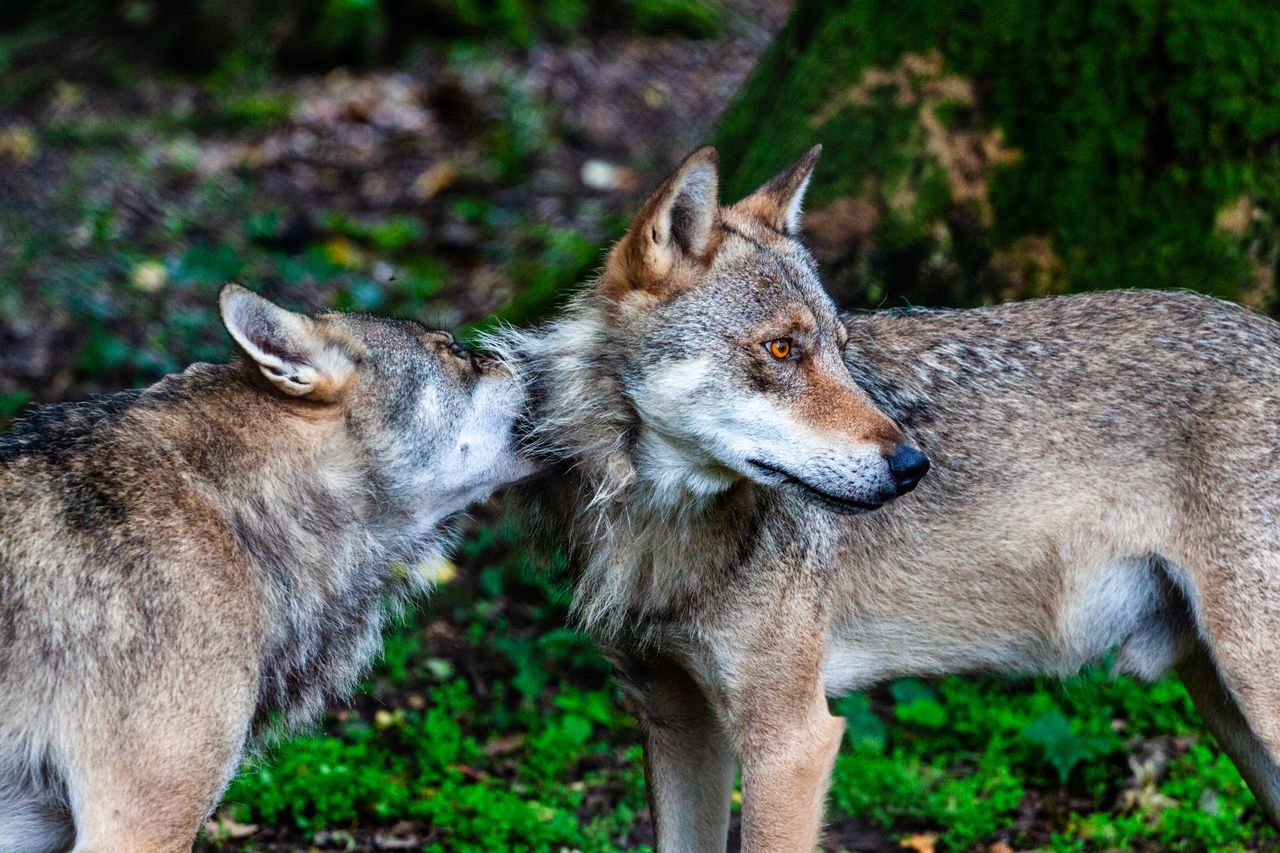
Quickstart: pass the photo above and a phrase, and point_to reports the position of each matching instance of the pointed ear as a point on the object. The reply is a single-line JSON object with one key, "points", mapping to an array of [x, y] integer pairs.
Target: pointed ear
{"points": [[292, 353], [778, 202], [675, 224]]}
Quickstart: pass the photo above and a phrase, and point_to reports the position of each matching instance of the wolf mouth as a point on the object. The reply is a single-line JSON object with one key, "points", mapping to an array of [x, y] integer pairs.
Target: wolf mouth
{"points": [[834, 502]]}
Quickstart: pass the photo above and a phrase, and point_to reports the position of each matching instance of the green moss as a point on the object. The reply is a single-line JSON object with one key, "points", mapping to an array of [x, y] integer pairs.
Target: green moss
{"points": [[1134, 124], [693, 18]]}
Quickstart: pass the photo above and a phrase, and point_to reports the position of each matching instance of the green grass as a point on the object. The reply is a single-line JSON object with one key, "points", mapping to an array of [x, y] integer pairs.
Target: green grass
{"points": [[962, 757]]}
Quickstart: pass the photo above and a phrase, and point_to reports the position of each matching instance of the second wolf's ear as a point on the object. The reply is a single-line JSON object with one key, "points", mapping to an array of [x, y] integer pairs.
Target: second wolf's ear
{"points": [[292, 353], [778, 202], [675, 224]]}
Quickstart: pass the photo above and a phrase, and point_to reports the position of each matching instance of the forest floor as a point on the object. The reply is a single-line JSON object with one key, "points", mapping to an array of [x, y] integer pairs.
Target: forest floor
{"points": [[470, 177]]}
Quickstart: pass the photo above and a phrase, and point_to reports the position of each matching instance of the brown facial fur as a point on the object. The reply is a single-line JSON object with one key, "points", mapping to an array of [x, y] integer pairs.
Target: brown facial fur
{"points": [[829, 403]]}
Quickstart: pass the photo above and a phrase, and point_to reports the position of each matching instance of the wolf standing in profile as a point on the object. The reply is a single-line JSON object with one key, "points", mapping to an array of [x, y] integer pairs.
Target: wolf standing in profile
{"points": [[178, 564], [1105, 474]]}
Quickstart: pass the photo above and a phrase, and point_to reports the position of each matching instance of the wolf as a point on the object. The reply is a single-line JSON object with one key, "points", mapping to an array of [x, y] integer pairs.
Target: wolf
{"points": [[768, 502], [186, 568]]}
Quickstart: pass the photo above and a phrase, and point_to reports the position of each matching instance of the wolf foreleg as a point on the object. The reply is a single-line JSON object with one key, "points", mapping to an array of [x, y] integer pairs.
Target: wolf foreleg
{"points": [[689, 762], [787, 758], [775, 709]]}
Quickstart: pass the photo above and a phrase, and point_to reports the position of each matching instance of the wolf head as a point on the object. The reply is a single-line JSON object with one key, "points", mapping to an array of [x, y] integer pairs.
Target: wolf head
{"points": [[432, 420], [720, 337]]}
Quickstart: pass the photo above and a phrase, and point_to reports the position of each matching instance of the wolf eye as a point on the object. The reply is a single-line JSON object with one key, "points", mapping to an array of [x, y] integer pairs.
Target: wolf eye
{"points": [[779, 348]]}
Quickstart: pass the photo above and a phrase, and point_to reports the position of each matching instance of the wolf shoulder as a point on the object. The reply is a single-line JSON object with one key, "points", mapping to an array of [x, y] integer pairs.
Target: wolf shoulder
{"points": [[88, 468], [124, 447], [114, 489]]}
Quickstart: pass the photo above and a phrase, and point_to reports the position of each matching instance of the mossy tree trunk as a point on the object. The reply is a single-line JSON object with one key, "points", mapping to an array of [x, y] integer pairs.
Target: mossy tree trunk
{"points": [[979, 150]]}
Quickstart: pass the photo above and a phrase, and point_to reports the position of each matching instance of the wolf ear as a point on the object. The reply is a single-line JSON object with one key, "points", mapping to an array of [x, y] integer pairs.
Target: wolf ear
{"points": [[675, 223], [294, 356], [778, 202]]}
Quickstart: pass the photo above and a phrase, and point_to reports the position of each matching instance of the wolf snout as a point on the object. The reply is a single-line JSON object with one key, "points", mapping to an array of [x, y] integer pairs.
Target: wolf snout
{"points": [[907, 466]]}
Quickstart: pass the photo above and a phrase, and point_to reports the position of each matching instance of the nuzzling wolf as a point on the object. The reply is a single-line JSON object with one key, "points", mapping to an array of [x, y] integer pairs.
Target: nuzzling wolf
{"points": [[182, 564], [734, 459]]}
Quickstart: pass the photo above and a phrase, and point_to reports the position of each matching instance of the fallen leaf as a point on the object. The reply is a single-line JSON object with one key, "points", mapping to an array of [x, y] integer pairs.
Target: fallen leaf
{"points": [[1234, 219], [472, 774], [438, 571], [149, 276], [224, 828], [657, 94], [18, 143], [922, 842], [601, 175], [343, 253], [397, 839], [435, 179], [385, 719], [340, 838], [504, 745]]}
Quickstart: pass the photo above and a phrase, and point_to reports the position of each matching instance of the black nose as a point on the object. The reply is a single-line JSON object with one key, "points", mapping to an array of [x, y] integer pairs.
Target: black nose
{"points": [[908, 466]]}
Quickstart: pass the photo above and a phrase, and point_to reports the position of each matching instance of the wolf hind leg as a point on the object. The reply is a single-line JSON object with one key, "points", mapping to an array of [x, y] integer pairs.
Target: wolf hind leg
{"points": [[1234, 677], [1223, 717]]}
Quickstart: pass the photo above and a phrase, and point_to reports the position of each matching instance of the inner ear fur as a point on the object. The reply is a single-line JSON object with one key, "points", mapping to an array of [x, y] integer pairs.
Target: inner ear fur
{"points": [[292, 351], [672, 234], [778, 203]]}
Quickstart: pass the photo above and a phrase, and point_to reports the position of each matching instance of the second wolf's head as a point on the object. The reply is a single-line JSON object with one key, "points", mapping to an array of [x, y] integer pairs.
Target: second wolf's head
{"points": [[714, 329], [432, 422]]}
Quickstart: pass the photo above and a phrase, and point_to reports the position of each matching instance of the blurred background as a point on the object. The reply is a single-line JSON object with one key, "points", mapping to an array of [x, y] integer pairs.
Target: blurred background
{"points": [[468, 161]]}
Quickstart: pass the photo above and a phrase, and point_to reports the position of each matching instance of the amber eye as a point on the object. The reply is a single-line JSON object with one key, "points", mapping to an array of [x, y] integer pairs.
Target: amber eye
{"points": [[779, 348]]}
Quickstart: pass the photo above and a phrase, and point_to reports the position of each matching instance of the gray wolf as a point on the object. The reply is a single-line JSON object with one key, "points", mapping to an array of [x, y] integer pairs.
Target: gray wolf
{"points": [[735, 469], [186, 567]]}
